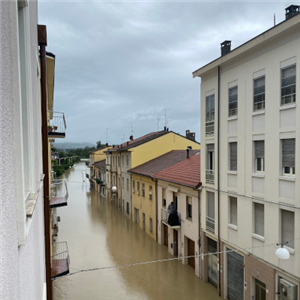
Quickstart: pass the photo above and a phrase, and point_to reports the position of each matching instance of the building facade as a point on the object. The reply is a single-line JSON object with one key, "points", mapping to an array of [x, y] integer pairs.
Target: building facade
{"points": [[250, 167]]}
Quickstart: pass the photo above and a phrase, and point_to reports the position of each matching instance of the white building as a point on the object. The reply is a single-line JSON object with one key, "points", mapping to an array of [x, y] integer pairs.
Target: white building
{"points": [[22, 253], [250, 131]]}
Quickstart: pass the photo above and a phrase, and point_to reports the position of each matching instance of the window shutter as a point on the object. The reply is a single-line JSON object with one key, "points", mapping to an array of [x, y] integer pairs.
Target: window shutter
{"points": [[233, 156], [210, 147], [287, 228], [259, 219], [211, 205], [288, 153], [233, 210], [259, 149]]}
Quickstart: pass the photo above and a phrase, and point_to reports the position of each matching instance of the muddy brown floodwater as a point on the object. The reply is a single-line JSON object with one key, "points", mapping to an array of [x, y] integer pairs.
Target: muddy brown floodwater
{"points": [[99, 235]]}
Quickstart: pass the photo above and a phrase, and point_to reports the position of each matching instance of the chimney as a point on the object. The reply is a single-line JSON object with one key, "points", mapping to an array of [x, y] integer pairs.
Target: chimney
{"points": [[225, 47], [291, 11], [131, 137], [190, 135], [187, 152], [165, 128]]}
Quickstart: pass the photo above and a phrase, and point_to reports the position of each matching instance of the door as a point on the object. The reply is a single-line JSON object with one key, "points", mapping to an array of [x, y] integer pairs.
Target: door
{"points": [[175, 240], [143, 221], [212, 263], [191, 252], [165, 235], [136, 215], [260, 290], [235, 276]]}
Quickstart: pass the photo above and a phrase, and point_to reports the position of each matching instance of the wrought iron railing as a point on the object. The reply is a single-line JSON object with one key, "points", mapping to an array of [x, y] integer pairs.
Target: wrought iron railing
{"points": [[165, 216], [210, 127], [59, 193], [57, 123], [210, 175], [60, 259], [210, 224]]}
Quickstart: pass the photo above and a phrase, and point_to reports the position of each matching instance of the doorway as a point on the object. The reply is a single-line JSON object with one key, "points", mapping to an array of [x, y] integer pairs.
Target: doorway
{"points": [[165, 235], [191, 252], [143, 221], [175, 241], [260, 290]]}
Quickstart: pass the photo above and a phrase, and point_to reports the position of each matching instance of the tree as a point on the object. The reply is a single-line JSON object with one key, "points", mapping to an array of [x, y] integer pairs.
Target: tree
{"points": [[99, 145]]}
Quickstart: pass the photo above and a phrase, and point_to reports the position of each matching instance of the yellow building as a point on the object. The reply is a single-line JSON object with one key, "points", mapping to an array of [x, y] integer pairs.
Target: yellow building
{"points": [[136, 152], [96, 155], [144, 188]]}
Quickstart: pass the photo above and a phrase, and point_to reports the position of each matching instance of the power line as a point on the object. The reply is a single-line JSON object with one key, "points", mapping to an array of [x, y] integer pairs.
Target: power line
{"points": [[202, 255]]}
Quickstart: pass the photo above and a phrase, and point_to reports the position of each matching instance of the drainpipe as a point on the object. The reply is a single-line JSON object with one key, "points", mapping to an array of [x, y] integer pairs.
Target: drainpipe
{"points": [[42, 39], [199, 231], [218, 138]]}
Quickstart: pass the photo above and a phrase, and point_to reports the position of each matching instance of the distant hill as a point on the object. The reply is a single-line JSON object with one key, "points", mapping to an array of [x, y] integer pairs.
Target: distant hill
{"points": [[64, 146]]}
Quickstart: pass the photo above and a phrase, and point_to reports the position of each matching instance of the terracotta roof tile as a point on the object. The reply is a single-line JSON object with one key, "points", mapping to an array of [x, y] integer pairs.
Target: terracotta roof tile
{"points": [[100, 164], [186, 172], [162, 162]]}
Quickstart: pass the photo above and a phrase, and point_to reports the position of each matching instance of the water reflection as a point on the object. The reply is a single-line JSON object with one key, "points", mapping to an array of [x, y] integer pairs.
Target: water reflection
{"points": [[98, 235]]}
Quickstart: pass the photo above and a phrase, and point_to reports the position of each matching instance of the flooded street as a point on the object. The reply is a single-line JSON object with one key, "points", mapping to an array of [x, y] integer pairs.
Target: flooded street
{"points": [[99, 235]]}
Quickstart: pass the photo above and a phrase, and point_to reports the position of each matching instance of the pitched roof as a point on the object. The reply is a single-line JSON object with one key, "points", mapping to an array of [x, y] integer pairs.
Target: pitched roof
{"points": [[162, 162], [100, 164], [139, 141], [186, 172]]}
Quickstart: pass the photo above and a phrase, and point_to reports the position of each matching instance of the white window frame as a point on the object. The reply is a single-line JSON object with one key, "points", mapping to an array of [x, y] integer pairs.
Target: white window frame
{"points": [[259, 160], [288, 170], [189, 204], [291, 95], [210, 114], [150, 192], [232, 98], [259, 105], [256, 215], [232, 212]]}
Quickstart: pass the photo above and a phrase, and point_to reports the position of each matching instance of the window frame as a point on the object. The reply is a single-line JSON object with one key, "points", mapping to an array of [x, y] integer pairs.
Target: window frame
{"points": [[164, 200], [231, 162], [133, 186], [291, 170], [210, 114], [259, 158], [258, 94], [150, 192], [231, 200], [292, 95], [235, 98], [189, 207], [143, 189], [284, 224], [256, 216]]}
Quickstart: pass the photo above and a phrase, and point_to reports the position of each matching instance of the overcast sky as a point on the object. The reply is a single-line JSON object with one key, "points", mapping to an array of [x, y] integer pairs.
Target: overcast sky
{"points": [[125, 67]]}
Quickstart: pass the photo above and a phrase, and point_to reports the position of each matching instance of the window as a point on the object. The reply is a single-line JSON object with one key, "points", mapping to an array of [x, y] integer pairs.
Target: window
{"points": [[259, 152], [119, 161], [127, 186], [189, 207], [210, 114], [288, 156], [143, 190], [210, 163], [127, 160], [233, 211], [138, 187], [123, 182], [233, 156], [210, 211], [150, 225], [133, 186], [233, 101], [259, 222], [163, 196], [259, 93], [288, 85], [287, 228], [122, 160], [127, 208], [150, 192]]}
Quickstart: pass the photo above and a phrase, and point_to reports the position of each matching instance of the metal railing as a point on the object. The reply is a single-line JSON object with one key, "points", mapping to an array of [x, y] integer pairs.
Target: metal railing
{"points": [[165, 216], [259, 105], [57, 122], [59, 192], [210, 224], [210, 175], [210, 127], [60, 252]]}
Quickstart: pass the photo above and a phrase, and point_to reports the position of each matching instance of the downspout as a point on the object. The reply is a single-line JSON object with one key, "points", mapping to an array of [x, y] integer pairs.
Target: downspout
{"points": [[218, 140], [42, 39], [156, 211], [199, 231]]}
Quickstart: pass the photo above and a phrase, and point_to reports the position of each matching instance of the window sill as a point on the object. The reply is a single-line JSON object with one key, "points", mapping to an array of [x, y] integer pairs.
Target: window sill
{"points": [[189, 219], [232, 118], [287, 106], [234, 227], [258, 237], [287, 178], [258, 175], [30, 204], [232, 172], [258, 112]]}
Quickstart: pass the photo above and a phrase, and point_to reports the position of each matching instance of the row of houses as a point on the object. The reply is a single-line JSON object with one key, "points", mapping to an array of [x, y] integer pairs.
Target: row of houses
{"points": [[30, 259], [244, 213]]}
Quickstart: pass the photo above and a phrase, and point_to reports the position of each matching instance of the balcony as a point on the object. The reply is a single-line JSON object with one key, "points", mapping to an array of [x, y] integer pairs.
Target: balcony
{"points": [[60, 259], [210, 224], [57, 125], [210, 176], [165, 218], [59, 193]]}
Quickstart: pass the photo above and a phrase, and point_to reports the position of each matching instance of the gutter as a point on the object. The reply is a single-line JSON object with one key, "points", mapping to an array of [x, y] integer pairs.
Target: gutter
{"points": [[42, 41]]}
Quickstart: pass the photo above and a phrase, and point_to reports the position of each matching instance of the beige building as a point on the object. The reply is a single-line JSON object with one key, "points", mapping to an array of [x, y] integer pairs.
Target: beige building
{"points": [[250, 129]]}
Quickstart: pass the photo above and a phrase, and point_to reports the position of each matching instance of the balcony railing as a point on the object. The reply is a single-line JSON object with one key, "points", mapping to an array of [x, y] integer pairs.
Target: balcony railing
{"points": [[210, 224], [57, 124], [59, 193], [165, 217], [210, 175], [60, 259]]}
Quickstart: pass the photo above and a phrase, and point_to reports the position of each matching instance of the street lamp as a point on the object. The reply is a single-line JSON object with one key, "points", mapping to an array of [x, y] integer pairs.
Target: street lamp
{"points": [[282, 253]]}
